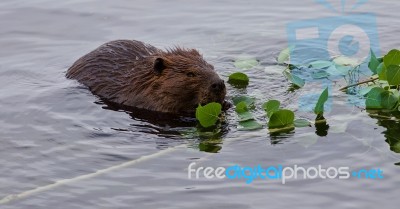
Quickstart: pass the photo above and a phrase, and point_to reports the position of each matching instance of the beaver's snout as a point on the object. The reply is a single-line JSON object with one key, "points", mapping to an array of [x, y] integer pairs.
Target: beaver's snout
{"points": [[218, 86], [216, 91]]}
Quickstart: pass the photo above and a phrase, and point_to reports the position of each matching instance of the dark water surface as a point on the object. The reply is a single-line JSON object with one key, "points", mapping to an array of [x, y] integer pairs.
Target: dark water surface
{"points": [[53, 129]]}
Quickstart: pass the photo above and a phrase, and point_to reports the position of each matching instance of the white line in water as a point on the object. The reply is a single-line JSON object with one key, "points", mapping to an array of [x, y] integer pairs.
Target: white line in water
{"points": [[36, 190]]}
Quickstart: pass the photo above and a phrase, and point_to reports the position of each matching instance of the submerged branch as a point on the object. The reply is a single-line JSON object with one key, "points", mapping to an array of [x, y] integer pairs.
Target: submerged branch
{"points": [[359, 83]]}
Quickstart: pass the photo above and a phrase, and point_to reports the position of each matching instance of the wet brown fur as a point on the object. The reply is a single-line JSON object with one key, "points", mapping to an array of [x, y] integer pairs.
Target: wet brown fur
{"points": [[123, 72]]}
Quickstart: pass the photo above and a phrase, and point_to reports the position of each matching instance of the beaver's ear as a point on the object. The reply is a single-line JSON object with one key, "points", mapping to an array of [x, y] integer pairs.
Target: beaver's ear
{"points": [[159, 65]]}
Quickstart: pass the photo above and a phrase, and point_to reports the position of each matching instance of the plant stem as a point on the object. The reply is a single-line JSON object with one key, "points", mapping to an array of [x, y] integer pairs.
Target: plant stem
{"points": [[359, 83]]}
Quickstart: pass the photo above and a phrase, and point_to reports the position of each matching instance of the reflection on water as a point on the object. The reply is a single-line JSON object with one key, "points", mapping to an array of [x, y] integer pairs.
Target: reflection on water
{"points": [[390, 121], [174, 126], [321, 126]]}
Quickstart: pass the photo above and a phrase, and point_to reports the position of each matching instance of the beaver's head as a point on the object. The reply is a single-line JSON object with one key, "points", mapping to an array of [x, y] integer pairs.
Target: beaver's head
{"points": [[182, 80]]}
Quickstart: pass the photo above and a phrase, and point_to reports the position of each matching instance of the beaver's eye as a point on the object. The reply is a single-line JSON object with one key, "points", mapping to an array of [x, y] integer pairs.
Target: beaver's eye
{"points": [[190, 74]]}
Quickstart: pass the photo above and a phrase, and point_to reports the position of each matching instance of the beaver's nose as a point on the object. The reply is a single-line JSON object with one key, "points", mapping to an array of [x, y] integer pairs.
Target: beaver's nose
{"points": [[218, 86]]}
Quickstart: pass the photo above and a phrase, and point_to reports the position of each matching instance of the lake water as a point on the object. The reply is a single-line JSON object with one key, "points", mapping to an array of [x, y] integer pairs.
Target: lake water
{"points": [[53, 129]]}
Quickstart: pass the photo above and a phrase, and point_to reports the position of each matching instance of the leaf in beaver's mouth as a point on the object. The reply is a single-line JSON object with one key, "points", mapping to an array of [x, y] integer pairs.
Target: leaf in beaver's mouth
{"points": [[208, 115]]}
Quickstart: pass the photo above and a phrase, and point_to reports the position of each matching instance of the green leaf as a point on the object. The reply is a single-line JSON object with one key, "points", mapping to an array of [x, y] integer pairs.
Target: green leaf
{"points": [[294, 79], [241, 107], [274, 69], [249, 125], [319, 107], [271, 106], [337, 70], [301, 123], [389, 100], [239, 79], [381, 70], [374, 98], [284, 56], [366, 90], [244, 116], [208, 115], [392, 58], [321, 64], [393, 74], [319, 74], [281, 118], [248, 100], [245, 63], [346, 61], [373, 63]]}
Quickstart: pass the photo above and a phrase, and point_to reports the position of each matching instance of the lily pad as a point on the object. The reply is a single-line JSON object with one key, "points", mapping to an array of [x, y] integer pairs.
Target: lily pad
{"points": [[245, 116], [346, 61], [249, 125], [241, 107], [208, 115], [271, 106], [319, 74], [338, 70], [245, 63], [284, 56], [281, 118], [321, 64], [301, 123], [238, 79], [274, 69], [249, 101], [294, 79]]}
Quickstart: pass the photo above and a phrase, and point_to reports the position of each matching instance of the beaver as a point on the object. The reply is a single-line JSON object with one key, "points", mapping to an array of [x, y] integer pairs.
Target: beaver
{"points": [[131, 73]]}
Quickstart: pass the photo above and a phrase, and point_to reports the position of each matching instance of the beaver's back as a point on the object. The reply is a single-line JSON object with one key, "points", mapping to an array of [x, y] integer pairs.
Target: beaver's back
{"points": [[134, 74], [103, 69]]}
